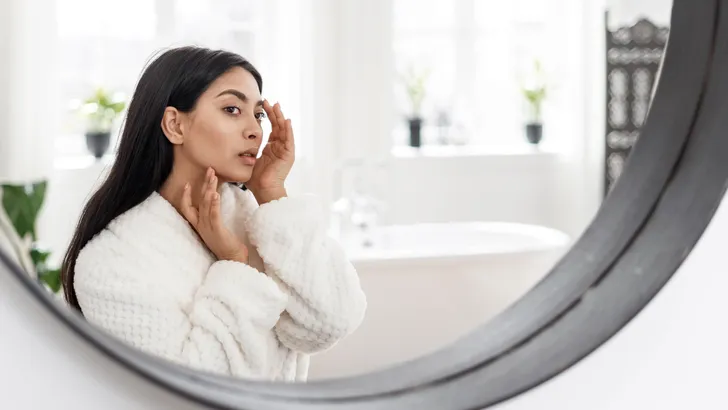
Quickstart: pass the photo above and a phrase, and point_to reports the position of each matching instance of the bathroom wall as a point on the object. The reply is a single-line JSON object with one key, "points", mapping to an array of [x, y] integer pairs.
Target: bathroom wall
{"points": [[69, 187], [467, 184], [28, 103]]}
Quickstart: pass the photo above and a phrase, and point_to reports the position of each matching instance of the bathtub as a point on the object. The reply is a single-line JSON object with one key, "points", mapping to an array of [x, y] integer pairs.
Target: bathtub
{"points": [[429, 284]]}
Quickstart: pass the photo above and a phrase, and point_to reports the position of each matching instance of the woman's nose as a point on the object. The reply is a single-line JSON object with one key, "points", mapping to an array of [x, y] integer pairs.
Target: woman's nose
{"points": [[255, 134]]}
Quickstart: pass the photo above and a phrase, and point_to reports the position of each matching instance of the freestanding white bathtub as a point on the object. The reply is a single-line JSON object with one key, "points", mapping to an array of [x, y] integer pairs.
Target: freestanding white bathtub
{"points": [[429, 284]]}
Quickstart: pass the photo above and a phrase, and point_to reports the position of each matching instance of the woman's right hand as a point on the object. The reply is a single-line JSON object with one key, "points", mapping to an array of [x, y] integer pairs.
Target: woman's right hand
{"points": [[207, 221]]}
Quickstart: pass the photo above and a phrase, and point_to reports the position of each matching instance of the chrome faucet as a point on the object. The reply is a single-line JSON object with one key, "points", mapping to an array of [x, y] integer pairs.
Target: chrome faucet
{"points": [[356, 213]]}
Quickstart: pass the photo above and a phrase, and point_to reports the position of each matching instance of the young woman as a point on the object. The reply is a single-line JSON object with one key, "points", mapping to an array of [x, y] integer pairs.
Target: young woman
{"points": [[172, 256]]}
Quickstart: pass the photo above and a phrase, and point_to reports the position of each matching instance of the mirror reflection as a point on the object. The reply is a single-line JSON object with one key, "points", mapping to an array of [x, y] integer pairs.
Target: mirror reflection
{"points": [[296, 190]]}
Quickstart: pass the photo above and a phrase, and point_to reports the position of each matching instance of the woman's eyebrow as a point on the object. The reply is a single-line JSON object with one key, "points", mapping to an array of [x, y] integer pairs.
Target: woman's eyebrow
{"points": [[242, 97]]}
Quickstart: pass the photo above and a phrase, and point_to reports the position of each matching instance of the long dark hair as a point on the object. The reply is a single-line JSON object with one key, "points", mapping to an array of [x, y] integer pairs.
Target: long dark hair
{"points": [[176, 78]]}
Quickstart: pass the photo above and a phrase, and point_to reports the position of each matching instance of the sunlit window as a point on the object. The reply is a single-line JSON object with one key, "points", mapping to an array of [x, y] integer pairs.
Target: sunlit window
{"points": [[476, 54], [107, 44]]}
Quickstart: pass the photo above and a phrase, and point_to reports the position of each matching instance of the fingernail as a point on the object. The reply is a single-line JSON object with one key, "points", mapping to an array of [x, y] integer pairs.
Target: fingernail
{"points": [[187, 186], [217, 196]]}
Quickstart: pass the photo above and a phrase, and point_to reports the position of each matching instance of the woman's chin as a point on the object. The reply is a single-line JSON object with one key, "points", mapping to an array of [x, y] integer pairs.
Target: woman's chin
{"points": [[239, 177]]}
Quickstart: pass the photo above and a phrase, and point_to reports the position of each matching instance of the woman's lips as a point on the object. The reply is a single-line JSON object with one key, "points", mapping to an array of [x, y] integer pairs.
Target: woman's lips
{"points": [[247, 159]]}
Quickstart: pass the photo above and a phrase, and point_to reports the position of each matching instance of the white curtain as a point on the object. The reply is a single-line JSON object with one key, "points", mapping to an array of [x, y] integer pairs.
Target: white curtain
{"points": [[28, 98]]}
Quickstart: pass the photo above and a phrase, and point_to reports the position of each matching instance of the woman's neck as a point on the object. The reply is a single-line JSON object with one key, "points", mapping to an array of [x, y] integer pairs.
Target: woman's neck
{"points": [[173, 188]]}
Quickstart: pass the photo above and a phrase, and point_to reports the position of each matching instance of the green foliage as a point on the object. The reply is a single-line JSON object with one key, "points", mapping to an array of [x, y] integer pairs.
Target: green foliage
{"points": [[415, 84], [23, 203], [102, 109], [535, 99], [47, 275], [535, 93]]}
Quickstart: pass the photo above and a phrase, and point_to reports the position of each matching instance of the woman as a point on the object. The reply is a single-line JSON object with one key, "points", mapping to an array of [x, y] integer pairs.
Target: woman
{"points": [[175, 259]]}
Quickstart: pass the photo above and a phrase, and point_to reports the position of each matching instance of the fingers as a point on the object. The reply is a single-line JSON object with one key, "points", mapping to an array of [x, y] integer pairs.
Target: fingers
{"points": [[215, 220], [279, 117], [188, 211], [277, 120], [213, 212], [288, 140], [272, 117], [208, 196], [204, 211], [205, 186]]}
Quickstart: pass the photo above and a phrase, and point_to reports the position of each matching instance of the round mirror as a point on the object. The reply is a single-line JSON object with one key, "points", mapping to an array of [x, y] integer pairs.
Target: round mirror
{"points": [[351, 204]]}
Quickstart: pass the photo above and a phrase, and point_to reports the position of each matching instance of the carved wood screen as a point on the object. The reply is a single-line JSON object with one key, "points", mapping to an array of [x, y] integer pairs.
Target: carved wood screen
{"points": [[633, 59]]}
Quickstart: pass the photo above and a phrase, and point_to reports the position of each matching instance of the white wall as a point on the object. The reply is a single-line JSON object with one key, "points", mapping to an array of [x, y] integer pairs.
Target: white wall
{"points": [[69, 187], [347, 106], [28, 94], [474, 185], [319, 122], [5, 50]]}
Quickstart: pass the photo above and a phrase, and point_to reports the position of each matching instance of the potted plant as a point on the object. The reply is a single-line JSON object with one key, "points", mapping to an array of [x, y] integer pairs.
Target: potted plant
{"points": [[22, 204], [101, 110], [415, 87], [534, 94]]}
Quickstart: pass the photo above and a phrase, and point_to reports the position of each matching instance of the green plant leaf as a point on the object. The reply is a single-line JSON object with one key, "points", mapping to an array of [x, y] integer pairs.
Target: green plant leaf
{"points": [[15, 204], [52, 278], [22, 203], [118, 107], [101, 109], [39, 256], [415, 84], [37, 196]]}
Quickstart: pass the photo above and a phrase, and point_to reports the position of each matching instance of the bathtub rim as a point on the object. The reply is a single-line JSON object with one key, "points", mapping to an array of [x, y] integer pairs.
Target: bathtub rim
{"points": [[554, 240]]}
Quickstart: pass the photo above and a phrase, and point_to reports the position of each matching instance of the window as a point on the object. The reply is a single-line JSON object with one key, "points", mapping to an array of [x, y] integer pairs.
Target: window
{"points": [[108, 44], [478, 53]]}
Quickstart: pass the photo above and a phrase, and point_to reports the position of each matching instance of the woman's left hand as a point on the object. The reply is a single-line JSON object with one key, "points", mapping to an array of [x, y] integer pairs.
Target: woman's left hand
{"points": [[271, 170]]}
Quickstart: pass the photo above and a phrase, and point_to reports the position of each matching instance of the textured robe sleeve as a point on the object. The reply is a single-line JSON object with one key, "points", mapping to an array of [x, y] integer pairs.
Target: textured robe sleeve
{"points": [[325, 299], [226, 328]]}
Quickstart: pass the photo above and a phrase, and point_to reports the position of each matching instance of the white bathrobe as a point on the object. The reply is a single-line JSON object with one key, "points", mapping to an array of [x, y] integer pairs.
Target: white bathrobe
{"points": [[149, 280]]}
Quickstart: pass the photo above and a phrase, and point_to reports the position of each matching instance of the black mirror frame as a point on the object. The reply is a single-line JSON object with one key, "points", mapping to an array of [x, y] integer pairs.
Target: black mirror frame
{"points": [[673, 182]]}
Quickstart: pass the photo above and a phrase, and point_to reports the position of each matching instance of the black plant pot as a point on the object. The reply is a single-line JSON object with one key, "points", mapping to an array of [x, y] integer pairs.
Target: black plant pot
{"points": [[98, 143], [534, 133], [415, 129]]}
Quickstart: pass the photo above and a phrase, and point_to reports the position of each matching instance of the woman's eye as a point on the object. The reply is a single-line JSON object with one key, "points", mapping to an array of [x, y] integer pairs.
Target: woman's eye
{"points": [[232, 110], [260, 115]]}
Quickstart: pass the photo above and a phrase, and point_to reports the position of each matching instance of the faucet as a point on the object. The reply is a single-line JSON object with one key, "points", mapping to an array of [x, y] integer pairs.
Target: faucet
{"points": [[356, 213]]}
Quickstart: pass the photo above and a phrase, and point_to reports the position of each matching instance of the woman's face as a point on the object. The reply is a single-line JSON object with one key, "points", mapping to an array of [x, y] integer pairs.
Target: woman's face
{"points": [[224, 129]]}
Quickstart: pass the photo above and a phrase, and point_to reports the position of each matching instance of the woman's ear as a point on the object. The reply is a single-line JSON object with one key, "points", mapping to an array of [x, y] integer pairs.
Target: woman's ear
{"points": [[172, 125]]}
